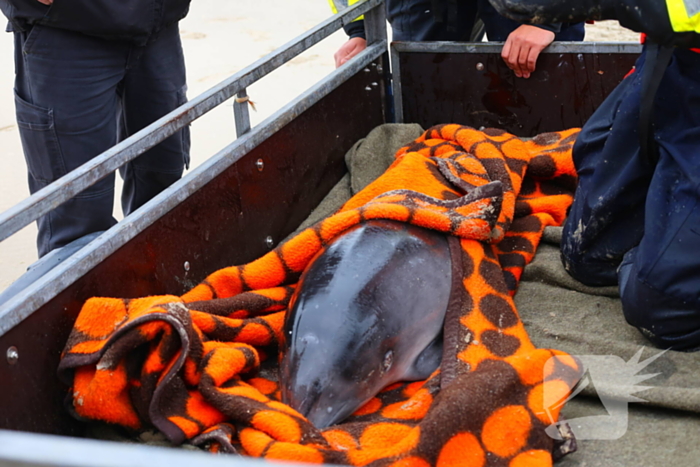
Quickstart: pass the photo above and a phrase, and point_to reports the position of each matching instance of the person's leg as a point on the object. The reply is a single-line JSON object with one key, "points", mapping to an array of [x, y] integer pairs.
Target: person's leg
{"points": [[154, 85], [416, 21], [497, 27], [571, 32], [606, 219], [660, 279], [667, 320], [66, 112]]}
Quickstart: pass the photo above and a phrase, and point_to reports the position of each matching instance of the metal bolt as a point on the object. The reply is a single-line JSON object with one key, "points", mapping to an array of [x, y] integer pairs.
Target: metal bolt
{"points": [[482, 128], [374, 64], [375, 84], [366, 70], [380, 69], [260, 165], [12, 355], [368, 88], [269, 242], [187, 265], [480, 66]]}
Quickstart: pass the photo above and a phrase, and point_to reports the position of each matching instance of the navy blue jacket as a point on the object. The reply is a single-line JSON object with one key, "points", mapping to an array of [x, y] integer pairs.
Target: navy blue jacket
{"points": [[134, 20]]}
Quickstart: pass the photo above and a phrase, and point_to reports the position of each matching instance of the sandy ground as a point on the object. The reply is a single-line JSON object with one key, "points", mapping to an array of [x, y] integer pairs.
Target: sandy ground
{"points": [[219, 39]]}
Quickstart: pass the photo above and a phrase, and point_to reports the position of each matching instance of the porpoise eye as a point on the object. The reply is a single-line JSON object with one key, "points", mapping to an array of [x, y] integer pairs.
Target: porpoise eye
{"points": [[309, 338], [388, 361]]}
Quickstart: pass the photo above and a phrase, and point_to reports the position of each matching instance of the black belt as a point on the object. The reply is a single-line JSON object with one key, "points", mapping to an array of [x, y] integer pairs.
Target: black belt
{"points": [[657, 60]]}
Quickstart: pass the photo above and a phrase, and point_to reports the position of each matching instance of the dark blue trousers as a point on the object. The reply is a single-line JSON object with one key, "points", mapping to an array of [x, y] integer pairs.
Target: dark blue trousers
{"points": [[75, 97], [638, 223], [415, 21]]}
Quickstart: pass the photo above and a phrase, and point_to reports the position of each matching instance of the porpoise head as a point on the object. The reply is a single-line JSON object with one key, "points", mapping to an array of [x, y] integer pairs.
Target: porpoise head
{"points": [[368, 312]]}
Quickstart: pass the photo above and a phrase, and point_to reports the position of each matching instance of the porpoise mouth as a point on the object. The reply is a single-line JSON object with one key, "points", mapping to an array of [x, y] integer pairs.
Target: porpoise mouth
{"points": [[325, 415], [302, 397], [319, 405]]}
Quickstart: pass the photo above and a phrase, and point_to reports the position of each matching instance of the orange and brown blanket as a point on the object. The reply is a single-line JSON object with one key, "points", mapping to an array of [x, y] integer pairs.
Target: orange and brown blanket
{"points": [[201, 367]]}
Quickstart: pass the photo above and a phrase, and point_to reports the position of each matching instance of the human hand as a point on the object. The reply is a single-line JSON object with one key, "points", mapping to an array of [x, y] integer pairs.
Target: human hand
{"points": [[348, 50], [522, 48], [45, 2]]}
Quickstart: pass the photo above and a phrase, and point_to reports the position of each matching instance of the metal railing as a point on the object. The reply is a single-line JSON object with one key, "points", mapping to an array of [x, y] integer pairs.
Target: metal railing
{"points": [[99, 167], [58, 279], [397, 48]]}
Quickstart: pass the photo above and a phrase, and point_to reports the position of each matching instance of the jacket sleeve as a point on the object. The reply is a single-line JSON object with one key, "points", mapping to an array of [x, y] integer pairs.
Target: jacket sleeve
{"points": [[357, 27], [668, 22], [554, 27], [684, 15], [134, 20]]}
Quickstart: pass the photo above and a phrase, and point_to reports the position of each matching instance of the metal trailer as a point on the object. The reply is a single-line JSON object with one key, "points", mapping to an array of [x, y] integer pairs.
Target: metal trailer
{"points": [[253, 193]]}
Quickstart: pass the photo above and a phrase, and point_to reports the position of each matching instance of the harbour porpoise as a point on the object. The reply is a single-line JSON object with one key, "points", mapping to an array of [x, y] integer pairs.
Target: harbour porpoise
{"points": [[368, 312]]}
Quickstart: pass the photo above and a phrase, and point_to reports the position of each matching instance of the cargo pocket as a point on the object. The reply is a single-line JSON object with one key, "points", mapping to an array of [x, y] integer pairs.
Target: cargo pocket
{"points": [[39, 141], [38, 39], [185, 132]]}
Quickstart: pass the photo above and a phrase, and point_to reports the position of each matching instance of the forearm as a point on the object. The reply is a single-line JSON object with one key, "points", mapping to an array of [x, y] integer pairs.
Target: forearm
{"points": [[666, 22]]}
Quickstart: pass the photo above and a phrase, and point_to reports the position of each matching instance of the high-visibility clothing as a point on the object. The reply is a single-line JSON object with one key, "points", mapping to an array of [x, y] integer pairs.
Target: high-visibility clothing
{"points": [[684, 15], [339, 5], [669, 22]]}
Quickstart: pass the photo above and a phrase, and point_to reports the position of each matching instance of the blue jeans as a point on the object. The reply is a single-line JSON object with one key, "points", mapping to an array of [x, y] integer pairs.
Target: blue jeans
{"points": [[638, 223], [76, 96]]}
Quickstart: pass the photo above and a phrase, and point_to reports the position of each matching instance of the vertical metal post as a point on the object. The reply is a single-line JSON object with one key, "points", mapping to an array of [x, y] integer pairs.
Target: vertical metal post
{"points": [[396, 81], [375, 24], [375, 31], [240, 113]]}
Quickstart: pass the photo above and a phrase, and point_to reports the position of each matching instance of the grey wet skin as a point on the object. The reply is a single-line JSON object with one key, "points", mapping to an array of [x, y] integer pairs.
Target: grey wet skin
{"points": [[369, 312]]}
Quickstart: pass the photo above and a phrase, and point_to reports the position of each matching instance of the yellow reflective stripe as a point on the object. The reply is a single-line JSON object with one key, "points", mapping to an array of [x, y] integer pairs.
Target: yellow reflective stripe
{"points": [[684, 14], [333, 6], [337, 5]]}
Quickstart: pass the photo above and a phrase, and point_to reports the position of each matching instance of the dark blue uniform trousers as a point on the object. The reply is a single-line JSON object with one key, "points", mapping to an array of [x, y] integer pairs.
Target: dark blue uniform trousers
{"points": [[76, 96], [638, 223], [415, 21]]}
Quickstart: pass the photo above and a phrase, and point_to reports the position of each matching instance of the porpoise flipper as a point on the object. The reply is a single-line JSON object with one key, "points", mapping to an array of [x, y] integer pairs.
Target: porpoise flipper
{"points": [[427, 362]]}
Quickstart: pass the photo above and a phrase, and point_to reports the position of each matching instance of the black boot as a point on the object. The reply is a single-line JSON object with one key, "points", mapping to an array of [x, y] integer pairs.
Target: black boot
{"points": [[647, 16]]}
